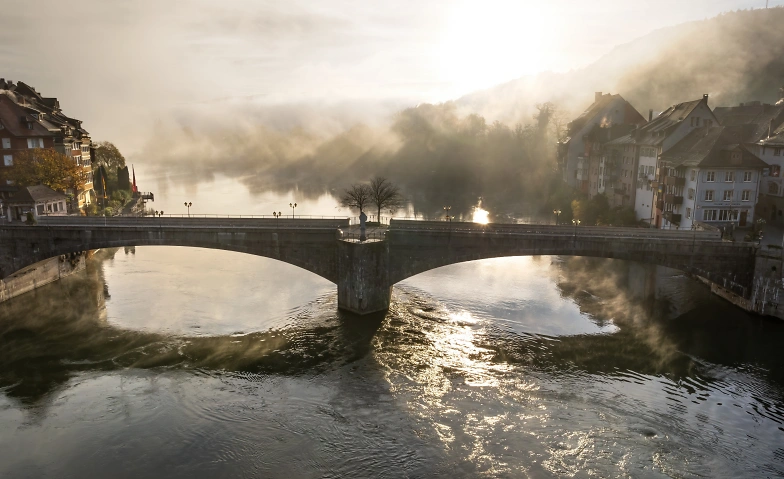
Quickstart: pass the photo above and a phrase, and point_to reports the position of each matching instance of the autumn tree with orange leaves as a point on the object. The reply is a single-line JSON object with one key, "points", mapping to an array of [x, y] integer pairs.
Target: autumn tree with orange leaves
{"points": [[45, 166]]}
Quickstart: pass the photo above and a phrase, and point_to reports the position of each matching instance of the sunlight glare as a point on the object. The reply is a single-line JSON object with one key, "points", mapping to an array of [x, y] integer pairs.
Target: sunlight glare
{"points": [[481, 216], [493, 41]]}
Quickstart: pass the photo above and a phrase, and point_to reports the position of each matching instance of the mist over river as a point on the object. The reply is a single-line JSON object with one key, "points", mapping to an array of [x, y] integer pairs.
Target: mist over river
{"points": [[177, 362]]}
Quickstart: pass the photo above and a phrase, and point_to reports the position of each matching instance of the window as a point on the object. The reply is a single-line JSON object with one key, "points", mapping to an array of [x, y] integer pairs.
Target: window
{"points": [[8, 160], [728, 195], [709, 215], [746, 176], [35, 142], [710, 176], [691, 193], [55, 207], [773, 188], [693, 175], [6, 143], [85, 149], [776, 151], [746, 195], [775, 170], [729, 176], [688, 213], [40, 209], [708, 195], [728, 215]]}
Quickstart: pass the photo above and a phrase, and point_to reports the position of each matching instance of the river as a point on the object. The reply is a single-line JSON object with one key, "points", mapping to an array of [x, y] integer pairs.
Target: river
{"points": [[177, 362]]}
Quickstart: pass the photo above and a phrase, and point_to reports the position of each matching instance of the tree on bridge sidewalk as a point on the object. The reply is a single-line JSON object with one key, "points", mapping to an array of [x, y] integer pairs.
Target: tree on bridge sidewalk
{"points": [[385, 195], [356, 196]]}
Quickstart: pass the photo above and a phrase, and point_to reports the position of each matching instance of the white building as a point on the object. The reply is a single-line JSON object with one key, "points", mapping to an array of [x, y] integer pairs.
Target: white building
{"points": [[39, 200], [709, 177]]}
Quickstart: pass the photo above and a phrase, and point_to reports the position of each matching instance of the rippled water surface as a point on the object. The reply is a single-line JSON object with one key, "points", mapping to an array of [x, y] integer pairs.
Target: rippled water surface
{"points": [[175, 362]]}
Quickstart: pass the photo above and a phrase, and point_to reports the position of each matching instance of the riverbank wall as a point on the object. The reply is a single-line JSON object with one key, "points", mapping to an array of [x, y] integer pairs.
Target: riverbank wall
{"points": [[40, 274], [767, 290]]}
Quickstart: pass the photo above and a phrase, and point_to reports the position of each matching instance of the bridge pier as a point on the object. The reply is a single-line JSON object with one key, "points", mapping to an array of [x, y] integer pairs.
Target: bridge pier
{"points": [[363, 277]]}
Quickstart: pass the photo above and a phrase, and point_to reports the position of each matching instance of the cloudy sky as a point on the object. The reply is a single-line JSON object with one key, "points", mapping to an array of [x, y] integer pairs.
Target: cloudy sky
{"points": [[122, 66]]}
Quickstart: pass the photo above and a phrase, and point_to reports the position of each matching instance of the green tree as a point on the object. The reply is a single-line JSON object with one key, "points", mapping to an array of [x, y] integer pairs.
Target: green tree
{"points": [[109, 156], [45, 166]]}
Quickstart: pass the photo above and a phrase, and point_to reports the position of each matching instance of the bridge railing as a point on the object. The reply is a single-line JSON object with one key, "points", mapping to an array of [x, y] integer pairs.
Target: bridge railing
{"points": [[193, 222], [356, 237], [561, 230], [372, 219]]}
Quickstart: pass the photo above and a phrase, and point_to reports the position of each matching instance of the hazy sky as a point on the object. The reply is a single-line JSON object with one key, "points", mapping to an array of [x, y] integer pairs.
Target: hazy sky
{"points": [[119, 66]]}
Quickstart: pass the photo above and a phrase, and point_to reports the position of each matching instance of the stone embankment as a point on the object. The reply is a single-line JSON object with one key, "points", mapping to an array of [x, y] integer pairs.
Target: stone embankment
{"points": [[41, 274]]}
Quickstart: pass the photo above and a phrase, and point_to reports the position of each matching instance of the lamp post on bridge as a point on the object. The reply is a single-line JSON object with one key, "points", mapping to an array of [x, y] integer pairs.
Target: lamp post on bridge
{"points": [[188, 204], [447, 209], [557, 213], [576, 223], [276, 216], [292, 206]]}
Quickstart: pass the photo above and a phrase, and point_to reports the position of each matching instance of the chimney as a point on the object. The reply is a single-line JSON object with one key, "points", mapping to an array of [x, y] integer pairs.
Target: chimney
{"points": [[650, 114], [705, 97], [597, 96]]}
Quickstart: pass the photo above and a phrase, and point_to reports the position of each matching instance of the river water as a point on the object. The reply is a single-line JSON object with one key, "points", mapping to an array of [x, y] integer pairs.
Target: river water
{"points": [[177, 362]]}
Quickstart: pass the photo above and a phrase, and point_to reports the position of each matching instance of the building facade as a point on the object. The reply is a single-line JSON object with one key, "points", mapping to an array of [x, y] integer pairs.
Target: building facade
{"points": [[606, 110], [19, 131], [656, 138], [707, 177], [56, 130], [37, 200]]}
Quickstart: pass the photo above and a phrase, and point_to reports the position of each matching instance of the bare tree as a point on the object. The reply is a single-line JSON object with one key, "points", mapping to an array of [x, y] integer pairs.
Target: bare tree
{"points": [[385, 195], [356, 196]]}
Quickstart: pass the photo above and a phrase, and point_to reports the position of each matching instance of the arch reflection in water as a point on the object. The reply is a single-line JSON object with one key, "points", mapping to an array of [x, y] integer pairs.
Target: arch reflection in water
{"points": [[544, 367]]}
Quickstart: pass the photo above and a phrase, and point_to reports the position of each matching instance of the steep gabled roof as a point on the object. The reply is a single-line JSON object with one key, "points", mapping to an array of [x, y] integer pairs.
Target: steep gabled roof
{"points": [[596, 107], [32, 194], [11, 118], [712, 147], [757, 116], [605, 134], [777, 138]]}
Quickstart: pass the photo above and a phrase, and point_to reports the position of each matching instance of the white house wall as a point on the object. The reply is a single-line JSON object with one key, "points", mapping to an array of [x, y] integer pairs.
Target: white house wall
{"points": [[644, 203]]}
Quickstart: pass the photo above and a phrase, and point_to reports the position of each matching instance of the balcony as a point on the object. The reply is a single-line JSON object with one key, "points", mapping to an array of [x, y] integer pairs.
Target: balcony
{"points": [[674, 218], [673, 199], [674, 181]]}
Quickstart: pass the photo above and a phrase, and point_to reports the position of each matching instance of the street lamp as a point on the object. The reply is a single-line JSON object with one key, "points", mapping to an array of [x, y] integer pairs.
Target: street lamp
{"points": [[447, 208], [576, 223], [292, 206], [557, 213], [276, 216], [188, 204]]}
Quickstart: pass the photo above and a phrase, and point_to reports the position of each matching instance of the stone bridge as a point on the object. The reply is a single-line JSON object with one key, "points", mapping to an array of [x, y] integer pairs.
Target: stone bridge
{"points": [[364, 272]]}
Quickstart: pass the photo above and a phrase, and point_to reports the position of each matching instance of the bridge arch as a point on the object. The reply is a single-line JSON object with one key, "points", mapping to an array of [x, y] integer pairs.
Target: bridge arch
{"points": [[312, 250], [727, 264]]}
